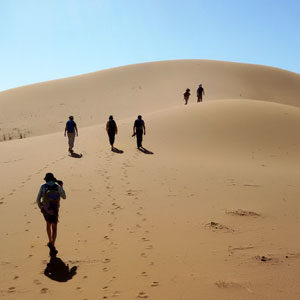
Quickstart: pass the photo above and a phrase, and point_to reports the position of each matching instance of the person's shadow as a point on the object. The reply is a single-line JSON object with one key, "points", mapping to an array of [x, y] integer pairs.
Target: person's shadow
{"points": [[76, 155], [116, 150], [144, 150], [59, 271]]}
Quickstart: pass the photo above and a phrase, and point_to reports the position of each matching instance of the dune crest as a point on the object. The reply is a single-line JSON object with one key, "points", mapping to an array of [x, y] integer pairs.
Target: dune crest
{"points": [[127, 91]]}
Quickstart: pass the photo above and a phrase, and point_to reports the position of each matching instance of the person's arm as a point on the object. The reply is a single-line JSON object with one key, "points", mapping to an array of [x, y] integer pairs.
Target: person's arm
{"points": [[107, 127], [133, 129], [62, 192], [144, 127], [65, 130], [39, 197], [116, 129], [203, 92]]}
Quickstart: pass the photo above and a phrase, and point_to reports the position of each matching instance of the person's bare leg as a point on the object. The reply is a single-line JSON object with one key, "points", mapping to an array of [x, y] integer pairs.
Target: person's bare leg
{"points": [[54, 232], [49, 232]]}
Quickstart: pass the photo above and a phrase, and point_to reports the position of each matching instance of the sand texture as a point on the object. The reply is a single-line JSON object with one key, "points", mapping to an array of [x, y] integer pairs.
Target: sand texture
{"points": [[210, 210]]}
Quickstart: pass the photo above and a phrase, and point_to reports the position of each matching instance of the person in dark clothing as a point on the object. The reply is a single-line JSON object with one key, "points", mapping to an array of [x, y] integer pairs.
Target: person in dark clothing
{"points": [[48, 200], [112, 130], [139, 129], [200, 92], [186, 96], [71, 129]]}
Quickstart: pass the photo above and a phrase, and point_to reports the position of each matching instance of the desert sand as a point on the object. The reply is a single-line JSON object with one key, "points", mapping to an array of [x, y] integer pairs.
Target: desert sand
{"points": [[213, 213]]}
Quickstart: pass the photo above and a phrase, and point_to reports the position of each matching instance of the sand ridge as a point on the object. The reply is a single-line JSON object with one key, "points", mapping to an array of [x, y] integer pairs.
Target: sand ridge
{"points": [[127, 91]]}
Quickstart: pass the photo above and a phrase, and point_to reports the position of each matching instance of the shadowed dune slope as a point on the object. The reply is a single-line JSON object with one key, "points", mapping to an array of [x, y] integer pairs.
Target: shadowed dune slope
{"points": [[130, 90]]}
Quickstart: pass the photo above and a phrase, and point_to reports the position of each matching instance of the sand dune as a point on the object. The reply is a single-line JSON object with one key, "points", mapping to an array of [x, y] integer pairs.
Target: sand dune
{"points": [[127, 91], [212, 214]]}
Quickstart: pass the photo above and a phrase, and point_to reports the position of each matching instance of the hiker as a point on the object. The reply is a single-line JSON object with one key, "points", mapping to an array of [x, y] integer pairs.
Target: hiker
{"points": [[186, 96], [112, 130], [139, 129], [200, 92], [50, 194], [71, 129]]}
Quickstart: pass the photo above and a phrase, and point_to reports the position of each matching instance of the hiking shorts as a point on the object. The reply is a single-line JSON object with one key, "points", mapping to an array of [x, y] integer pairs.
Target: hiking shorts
{"points": [[71, 138], [52, 219]]}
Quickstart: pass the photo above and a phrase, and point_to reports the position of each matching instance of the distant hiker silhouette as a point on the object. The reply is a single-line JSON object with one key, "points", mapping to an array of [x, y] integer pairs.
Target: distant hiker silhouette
{"points": [[200, 92], [138, 130], [71, 130], [186, 96], [112, 130], [48, 200]]}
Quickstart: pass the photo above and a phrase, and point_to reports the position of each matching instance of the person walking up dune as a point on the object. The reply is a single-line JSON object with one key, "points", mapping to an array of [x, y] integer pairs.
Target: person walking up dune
{"points": [[112, 130], [200, 92], [48, 200], [71, 130], [139, 129], [186, 96]]}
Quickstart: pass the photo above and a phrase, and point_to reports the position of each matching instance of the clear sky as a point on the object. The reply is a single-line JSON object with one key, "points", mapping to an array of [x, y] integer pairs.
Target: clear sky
{"points": [[49, 39]]}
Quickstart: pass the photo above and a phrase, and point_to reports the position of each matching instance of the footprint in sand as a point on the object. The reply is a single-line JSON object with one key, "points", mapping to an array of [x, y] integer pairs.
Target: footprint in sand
{"points": [[11, 289], [142, 295], [243, 213], [227, 284], [232, 250], [1, 202], [154, 284], [105, 269], [44, 290], [149, 247], [37, 282], [106, 260], [116, 294], [265, 258], [144, 255], [214, 226], [145, 239]]}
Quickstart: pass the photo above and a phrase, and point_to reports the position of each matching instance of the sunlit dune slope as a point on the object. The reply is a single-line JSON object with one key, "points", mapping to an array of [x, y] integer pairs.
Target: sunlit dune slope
{"points": [[137, 89], [233, 130]]}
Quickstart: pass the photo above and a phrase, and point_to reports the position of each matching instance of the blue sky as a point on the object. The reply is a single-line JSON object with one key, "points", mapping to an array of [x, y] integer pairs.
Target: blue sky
{"points": [[48, 39]]}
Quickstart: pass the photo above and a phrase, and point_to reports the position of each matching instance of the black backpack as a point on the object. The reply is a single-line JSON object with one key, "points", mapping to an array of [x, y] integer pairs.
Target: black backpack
{"points": [[51, 193]]}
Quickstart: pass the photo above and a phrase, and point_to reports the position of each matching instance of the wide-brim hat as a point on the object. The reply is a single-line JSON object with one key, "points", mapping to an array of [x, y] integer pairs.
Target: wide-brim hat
{"points": [[49, 177]]}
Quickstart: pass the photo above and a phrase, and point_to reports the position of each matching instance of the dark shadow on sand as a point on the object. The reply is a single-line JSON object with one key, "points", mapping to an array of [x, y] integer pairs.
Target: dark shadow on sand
{"points": [[76, 155], [144, 150], [116, 150], [59, 271]]}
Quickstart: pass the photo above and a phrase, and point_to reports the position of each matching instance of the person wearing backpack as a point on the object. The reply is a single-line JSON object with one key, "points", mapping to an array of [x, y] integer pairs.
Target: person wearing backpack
{"points": [[112, 130], [48, 200], [200, 92], [71, 129]]}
